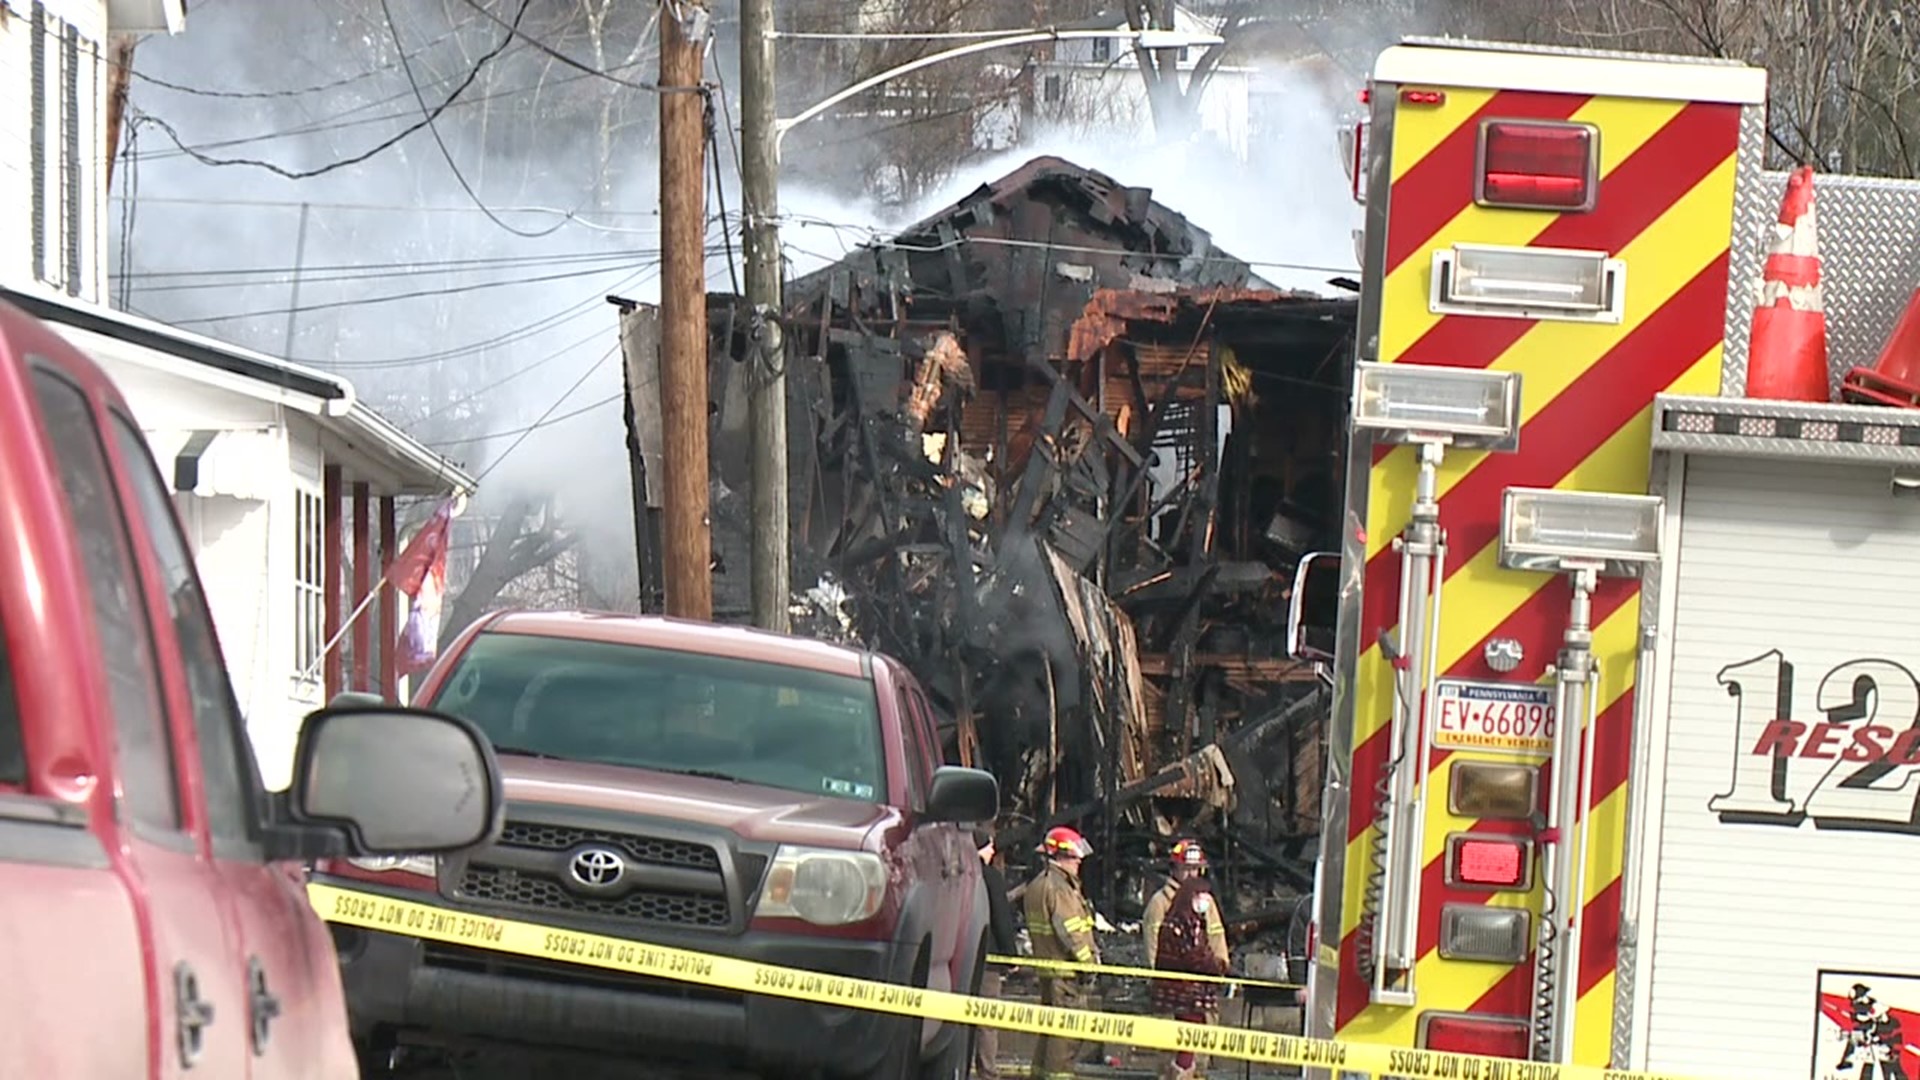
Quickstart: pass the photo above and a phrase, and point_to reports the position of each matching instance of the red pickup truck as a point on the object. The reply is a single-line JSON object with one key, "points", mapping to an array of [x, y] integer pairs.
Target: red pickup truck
{"points": [[152, 894], [708, 787]]}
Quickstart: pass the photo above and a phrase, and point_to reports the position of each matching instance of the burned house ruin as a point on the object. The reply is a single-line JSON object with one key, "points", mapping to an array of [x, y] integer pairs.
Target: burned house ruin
{"points": [[1064, 455]]}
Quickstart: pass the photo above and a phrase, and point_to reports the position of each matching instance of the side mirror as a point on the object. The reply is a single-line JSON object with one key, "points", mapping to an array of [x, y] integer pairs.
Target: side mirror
{"points": [[397, 781], [1312, 644], [962, 794]]}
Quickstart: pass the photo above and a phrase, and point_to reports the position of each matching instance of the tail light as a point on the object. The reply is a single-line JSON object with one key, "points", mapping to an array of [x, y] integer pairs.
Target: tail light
{"points": [[1487, 1036], [1533, 165], [1489, 862]]}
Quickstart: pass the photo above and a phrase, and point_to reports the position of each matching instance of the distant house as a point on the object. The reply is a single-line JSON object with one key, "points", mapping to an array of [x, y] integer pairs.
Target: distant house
{"points": [[1094, 86], [286, 485]]}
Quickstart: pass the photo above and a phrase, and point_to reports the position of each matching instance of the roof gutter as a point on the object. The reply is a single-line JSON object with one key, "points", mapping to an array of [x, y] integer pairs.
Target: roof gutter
{"points": [[160, 337], [359, 418]]}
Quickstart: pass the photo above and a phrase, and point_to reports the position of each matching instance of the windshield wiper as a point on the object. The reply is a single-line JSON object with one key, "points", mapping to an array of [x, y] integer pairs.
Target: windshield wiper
{"points": [[705, 773], [524, 752]]}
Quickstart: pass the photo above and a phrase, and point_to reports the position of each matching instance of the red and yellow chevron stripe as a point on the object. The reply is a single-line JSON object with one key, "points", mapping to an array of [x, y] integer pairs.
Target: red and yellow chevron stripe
{"points": [[1665, 209]]}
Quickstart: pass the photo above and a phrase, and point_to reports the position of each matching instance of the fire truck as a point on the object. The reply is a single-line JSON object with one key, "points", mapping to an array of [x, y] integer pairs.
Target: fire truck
{"points": [[1623, 767]]}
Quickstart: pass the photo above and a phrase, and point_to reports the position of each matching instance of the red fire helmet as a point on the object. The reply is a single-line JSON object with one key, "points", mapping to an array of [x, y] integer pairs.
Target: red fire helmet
{"points": [[1064, 843]]}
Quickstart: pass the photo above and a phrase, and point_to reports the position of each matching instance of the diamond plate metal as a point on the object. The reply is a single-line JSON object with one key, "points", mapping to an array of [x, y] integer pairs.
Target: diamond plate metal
{"points": [[1887, 438], [1477, 45], [1869, 263]]}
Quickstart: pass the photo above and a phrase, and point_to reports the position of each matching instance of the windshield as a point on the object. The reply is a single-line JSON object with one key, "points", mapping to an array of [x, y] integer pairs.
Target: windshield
{"points": [[760, 723]]}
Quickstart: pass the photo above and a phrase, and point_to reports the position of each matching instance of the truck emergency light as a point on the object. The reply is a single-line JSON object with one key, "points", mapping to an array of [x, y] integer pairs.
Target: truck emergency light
{"points": [[1482, 1035], [1536, 165], [1550, 279], [1489, 862], [1466, 407], [1494, 935], [1492, 789], [1544, 529]]}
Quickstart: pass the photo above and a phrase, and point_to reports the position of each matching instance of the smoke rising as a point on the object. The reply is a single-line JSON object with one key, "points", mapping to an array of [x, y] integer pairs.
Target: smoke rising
{"points": [[498, 348]]}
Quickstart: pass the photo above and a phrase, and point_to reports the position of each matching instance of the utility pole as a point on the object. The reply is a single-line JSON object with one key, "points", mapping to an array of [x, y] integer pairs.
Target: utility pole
{"points": [[760, 190], [687, 538]]}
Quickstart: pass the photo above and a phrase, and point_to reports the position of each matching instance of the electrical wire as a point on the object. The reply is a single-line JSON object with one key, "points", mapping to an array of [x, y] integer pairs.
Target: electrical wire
{"points": [[260, 95], [366, 271], [587, 69], [473, 74], [530, 428], [406, 67], [452, 290], [720, 194], [544, 417]]}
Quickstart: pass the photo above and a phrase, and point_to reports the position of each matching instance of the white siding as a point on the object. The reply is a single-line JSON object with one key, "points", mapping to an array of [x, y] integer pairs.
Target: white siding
{"points": [[87, 116], [1822, 563]]}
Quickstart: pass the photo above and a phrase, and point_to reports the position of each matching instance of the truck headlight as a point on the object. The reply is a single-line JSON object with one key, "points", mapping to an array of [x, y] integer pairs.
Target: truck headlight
{"points": [[424, 865], [823, 886]]}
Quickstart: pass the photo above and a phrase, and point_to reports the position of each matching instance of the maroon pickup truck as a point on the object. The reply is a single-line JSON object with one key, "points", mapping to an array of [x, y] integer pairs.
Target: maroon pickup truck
{"points": [[152, 892], [707, 787]]}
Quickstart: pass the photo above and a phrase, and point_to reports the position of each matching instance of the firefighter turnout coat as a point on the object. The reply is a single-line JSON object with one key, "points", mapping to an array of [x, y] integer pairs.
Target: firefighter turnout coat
{"points": [[1058, 919]]}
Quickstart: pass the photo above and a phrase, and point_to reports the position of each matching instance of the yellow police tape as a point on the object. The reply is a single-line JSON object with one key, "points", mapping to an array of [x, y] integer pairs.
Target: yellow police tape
{"points": [[1133, 972], [379, 911]]}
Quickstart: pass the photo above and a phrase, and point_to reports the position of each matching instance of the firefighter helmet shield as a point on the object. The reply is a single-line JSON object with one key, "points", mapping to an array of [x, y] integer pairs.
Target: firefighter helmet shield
{"points": [[1189, 853], [1065, 843]]}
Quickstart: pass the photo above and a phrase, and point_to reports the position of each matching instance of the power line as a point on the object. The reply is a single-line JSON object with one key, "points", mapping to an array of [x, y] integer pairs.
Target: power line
{"points": [[359, 271], [301, 174], [258, 95], [451, 290], [530, 428], [544, 417], [446, 407], [588, 69], [271, 278], [398, 208], [406, 67]]}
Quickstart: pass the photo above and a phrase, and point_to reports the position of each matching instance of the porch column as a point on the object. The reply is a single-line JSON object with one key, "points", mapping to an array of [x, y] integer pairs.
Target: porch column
{"points": [[362, 584], [389, 603], [331, 573]]}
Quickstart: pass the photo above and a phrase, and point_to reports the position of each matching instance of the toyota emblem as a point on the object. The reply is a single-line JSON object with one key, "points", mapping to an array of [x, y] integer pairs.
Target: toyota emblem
{"points": [[597, 867]]}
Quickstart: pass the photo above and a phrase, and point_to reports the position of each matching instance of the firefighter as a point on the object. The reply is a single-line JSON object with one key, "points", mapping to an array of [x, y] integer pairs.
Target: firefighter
{"points": [[1860, 1005], [1188, 859], [1061, 926], [1886, 1045]]}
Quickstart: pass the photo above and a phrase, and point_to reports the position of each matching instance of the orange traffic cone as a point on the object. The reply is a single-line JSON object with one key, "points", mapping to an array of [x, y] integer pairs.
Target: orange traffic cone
{"points": [[1894, 379], [1787, 350]]}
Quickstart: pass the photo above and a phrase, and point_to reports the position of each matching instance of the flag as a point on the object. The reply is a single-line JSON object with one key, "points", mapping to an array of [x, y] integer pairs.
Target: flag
{"points": [[420, 639], [420, 571], [427, 548]]}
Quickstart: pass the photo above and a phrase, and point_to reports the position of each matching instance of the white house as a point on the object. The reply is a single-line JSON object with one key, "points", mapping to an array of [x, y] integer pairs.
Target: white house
{"points": [[286, 482], [1094, 86], [286, 485], [55, 57]]}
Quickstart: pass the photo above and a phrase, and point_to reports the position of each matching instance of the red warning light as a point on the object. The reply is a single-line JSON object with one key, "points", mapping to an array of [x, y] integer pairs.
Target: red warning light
{"points": [[1490, 862], [1423, 97]]}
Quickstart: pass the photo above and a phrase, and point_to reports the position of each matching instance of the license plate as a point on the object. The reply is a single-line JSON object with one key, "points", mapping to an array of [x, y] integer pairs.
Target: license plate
{"points": [[1493, 716]]}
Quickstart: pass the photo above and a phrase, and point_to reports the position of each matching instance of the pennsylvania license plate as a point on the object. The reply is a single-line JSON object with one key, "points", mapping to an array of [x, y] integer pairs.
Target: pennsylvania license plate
{"points": [[1516, 717]]}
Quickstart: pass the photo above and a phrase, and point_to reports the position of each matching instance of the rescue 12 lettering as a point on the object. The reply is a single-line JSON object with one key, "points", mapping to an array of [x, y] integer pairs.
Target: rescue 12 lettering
{"points": [[1856, 768]]}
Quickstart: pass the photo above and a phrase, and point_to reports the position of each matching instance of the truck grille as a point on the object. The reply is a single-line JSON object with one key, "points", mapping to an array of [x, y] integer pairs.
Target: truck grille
{"points": [[647, 849], [663, 882], [507, 887]]}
